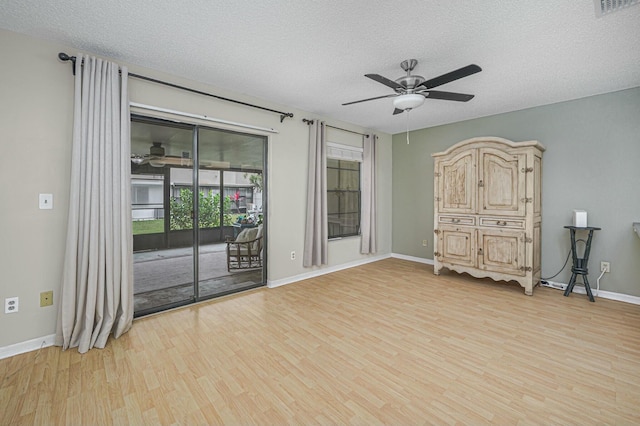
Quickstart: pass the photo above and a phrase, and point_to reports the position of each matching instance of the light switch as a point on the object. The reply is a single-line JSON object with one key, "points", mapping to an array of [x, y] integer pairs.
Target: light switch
{"points": [[46, 201]]}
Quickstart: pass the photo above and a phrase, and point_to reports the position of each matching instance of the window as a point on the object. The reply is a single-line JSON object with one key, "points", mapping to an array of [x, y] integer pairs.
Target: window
{"points": [[343, 197], [140, 194], [146, 197]]}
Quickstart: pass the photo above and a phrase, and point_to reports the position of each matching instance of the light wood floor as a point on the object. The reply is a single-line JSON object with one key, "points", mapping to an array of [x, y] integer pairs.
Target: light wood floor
{"points": [[387, 342]]}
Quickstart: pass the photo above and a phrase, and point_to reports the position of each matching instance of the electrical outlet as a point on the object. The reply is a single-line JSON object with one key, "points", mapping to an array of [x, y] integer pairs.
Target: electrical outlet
{"points": [[45, 201], [46, 298], [11, 305], [424, 243], [605, 267], [293, 255]]}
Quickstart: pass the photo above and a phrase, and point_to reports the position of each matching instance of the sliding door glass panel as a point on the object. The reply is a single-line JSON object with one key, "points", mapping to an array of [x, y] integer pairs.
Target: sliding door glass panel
{"points": [[162, 212], [231, 168]]}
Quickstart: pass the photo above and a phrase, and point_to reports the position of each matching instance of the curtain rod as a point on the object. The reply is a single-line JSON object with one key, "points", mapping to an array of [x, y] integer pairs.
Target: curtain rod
{"points": [[64, 57], [337, 128]]}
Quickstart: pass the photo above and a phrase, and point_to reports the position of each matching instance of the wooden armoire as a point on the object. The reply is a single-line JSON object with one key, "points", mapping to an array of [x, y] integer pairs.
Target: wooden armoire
{"points": [[487, 210]]}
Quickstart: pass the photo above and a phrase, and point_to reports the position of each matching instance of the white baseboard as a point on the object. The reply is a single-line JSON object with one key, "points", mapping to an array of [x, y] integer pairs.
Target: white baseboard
{"points": [[412, 258], [579, 288], [28, 346], [323, 271]]}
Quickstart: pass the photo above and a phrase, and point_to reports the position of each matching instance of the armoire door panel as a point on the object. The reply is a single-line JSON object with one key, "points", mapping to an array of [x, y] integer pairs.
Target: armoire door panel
{"points": [[501, 251], [456, 184], [458, 245], [501, 190]]}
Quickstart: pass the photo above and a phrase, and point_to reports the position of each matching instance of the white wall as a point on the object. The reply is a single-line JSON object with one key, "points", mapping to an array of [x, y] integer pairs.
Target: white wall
{"points": [[36, 114]]}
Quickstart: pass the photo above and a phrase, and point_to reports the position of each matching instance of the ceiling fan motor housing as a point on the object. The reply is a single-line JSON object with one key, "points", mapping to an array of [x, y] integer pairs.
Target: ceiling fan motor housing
{"points": [[156, 150], [409, 82]]}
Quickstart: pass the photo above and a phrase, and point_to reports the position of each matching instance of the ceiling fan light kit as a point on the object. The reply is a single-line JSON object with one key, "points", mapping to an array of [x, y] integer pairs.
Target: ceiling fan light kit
{"points": [[412, 90], [408, 101]]}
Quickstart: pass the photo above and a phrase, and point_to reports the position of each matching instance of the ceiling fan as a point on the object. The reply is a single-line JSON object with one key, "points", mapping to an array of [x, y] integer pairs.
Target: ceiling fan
{"points": [[154, 158], [412, 90]]}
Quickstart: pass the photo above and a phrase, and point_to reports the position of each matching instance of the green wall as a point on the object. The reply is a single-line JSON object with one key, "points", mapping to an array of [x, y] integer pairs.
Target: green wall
{"points": [[592, 163]]}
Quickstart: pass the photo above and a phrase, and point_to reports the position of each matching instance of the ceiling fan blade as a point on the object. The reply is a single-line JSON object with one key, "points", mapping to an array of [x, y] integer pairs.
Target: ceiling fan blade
{"points": [[447, 96], [397, 111], [385, 81], [450, 76], [370, 99]]}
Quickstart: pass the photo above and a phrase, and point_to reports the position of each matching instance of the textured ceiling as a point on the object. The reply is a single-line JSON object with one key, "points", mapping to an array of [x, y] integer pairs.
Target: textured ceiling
{"points": [[313, 55]]}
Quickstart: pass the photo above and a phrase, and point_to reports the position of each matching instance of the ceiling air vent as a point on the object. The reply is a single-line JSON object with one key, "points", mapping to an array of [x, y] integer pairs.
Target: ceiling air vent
{"points": [[605, 7]]}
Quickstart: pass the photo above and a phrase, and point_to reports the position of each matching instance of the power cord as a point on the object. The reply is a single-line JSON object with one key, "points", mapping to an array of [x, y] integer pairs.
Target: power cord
{"points": [[598, 283], [565, 263]]}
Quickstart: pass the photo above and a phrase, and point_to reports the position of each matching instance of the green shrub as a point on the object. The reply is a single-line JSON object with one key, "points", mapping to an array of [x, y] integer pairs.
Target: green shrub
{"points": [[182, 208]]}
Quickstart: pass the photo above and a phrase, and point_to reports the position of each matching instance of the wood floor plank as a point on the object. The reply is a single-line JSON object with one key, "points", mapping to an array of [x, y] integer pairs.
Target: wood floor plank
{"points": [[383, 343]]}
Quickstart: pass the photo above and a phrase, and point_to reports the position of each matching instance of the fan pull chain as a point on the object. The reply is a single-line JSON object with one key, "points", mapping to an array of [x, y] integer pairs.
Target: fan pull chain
{"points": [[408, 110]]}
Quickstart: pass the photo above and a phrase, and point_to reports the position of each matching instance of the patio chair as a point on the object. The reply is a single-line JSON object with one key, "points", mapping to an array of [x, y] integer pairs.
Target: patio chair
{"points": [[245, 252]]}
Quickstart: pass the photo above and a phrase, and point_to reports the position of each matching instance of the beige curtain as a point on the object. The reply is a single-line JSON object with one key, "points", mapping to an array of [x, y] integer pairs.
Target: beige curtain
{"points": [[368, 243], [97, 284], [316, 232]]}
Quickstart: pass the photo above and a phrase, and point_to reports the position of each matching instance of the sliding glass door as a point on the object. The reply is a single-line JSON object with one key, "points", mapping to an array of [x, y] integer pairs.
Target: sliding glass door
{"points": [[230, 167], [161, 211], [183, 215]]}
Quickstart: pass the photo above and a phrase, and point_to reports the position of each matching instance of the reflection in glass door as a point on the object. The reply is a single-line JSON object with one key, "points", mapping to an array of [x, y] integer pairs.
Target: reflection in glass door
{"points": [[162, 206], [222, 199], [230, 212]]}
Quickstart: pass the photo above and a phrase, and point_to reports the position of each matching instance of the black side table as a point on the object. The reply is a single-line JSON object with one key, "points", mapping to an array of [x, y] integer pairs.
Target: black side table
{"points": [[580, 264]]}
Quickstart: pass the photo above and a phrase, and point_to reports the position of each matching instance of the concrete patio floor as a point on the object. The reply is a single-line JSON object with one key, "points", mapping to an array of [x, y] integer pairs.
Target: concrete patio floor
{"points": [[165, 277]]}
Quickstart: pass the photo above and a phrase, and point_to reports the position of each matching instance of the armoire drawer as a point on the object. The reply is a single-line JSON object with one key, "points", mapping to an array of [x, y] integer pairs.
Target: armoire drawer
{"points": [[457, 220], [501, 222]]}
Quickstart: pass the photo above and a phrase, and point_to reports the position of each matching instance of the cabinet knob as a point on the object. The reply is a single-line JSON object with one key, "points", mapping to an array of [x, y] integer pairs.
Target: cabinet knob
{"points": [[502, 223], [455, 220]]}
